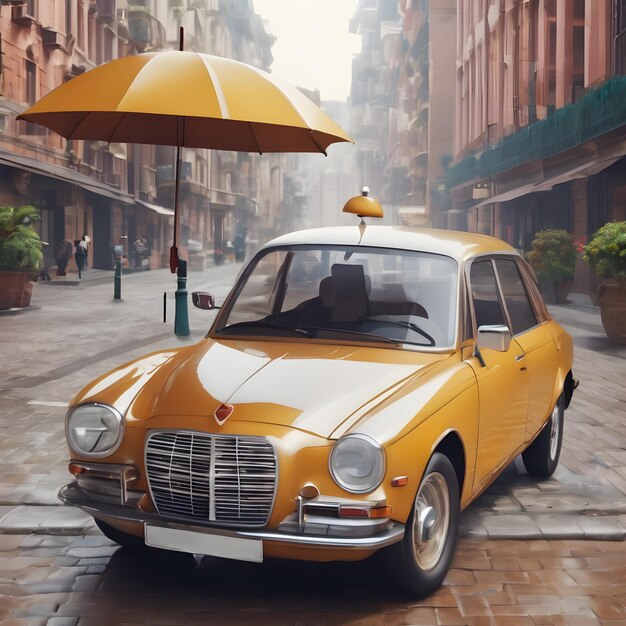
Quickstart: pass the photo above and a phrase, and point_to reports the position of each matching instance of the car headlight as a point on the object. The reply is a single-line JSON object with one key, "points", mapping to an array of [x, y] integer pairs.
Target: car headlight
{"points": [[357, 463], [94, 429]]}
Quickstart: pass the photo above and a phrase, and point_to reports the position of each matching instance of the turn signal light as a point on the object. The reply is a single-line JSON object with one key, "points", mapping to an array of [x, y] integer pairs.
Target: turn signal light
{"points": [[399, 481], [355, 511], [381, 511], [345, 511], [75, 469]]}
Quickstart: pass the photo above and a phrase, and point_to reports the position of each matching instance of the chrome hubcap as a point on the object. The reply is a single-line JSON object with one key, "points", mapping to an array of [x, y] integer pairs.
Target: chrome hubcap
{"points": [[431, 521], [555, 424]]}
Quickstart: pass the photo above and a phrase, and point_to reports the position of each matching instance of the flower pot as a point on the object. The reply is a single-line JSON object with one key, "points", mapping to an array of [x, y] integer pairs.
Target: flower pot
{"points": [[612, 303], [556, 292], [16, 290], [562, 289]]}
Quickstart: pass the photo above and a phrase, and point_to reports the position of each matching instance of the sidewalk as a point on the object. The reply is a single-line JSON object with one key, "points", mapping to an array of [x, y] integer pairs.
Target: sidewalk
{"points": [[49, 353]]}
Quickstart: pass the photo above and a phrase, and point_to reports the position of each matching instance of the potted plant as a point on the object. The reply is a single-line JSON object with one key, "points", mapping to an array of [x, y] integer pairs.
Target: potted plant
{"points": [[21, 256], [553, 257], [606, 254]]}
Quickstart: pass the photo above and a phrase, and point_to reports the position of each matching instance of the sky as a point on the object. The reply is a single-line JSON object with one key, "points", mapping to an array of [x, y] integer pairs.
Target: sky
{"points": [[314, 47]]}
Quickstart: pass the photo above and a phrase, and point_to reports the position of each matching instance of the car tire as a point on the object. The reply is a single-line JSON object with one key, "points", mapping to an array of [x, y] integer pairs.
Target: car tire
{"points": [[126, 540], [420, 566], [542, 455]]}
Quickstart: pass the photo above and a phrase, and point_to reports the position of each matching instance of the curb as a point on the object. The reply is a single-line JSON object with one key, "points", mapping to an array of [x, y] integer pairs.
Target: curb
{"points": [[18, 311], [485, 525]]}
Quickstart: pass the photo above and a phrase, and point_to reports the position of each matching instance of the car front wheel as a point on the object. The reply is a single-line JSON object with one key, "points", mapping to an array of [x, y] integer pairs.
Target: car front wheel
{"points": [[421, 560], [542, 455]]}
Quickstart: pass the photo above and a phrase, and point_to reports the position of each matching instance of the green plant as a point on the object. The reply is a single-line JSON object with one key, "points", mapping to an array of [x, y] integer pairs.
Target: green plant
{"points": [[20, 245], [553, 255], [606, 252]]}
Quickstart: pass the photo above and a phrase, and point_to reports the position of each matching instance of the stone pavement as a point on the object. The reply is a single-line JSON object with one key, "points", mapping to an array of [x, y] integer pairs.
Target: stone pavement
{"points": [[57, 569], [79, 331], [85, 580]]}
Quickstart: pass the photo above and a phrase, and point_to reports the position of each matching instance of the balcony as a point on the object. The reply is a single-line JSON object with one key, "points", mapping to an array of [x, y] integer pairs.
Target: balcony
{"points": [[24, 14], [246, 186], [598, 112], [167, 173], [146, 32], [53, 39], [106, 11]]}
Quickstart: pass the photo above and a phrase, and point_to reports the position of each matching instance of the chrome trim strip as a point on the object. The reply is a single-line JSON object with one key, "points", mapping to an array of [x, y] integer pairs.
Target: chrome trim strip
{"points": [[72, 495], [125, 474]]}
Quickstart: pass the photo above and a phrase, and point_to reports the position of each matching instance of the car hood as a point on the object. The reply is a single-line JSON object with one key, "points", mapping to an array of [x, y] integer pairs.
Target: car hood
{"points": [[311, 387]]}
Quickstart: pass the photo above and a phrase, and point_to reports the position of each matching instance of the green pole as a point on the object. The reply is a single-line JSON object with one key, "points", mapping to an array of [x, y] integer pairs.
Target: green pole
{"points": [[117, 283], [181, 319]]}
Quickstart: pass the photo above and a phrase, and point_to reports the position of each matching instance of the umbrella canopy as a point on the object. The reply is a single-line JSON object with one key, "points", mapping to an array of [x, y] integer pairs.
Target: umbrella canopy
{"points": [[187, 99]]}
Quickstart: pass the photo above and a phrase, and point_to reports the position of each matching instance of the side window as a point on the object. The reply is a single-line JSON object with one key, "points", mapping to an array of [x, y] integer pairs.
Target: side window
{"points": [[485, 298], [517, 302]]}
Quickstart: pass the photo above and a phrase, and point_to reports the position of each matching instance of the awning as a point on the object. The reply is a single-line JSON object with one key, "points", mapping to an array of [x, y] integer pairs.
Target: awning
{"points": [[581, 171], [508, 195], [62, 173], [161, 210]]}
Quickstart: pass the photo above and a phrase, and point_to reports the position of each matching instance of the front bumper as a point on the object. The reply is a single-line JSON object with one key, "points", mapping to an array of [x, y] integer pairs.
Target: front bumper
{"points": [[386, 533]]}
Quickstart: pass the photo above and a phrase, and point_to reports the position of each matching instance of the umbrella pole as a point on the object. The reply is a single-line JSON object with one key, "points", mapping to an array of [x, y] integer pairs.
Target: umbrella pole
{"points": [[181, 316]]}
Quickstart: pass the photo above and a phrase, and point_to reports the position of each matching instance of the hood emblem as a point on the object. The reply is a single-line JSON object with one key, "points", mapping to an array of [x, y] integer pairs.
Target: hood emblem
{"points": [[222, 413]]}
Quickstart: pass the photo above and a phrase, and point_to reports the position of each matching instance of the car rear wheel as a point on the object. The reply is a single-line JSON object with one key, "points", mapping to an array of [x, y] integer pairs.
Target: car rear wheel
{"points": [[542, 455], [421, 560]]}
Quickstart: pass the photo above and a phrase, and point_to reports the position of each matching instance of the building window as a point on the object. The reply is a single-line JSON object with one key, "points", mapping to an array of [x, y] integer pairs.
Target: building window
{"points": [[80, 30], [31, 83], [619, 29], [68, 16]]}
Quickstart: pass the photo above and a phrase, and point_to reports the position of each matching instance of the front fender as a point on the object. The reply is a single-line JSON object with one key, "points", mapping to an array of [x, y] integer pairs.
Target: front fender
{"points": [[409, 455]]}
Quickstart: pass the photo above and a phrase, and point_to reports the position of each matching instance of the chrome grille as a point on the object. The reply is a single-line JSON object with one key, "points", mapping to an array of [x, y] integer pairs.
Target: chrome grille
{"points": [[218, 478]]}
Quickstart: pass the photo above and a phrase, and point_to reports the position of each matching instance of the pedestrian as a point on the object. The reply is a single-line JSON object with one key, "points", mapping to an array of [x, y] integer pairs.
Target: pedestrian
{"points": [[240, 247], [81, 254], [62, 255], [140, 248], [44, 274]]}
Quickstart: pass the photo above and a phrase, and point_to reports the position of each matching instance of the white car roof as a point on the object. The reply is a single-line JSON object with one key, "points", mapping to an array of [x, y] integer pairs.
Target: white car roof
{"points": [[456, 244]]}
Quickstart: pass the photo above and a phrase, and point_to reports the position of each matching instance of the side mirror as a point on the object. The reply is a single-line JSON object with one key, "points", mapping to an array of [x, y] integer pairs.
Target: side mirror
{"points": [[203, 300], [494, 337]]}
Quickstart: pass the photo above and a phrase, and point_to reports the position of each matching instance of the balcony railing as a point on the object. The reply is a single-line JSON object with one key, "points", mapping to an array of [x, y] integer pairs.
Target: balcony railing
{"points": [[598, 112], [246, 185]]}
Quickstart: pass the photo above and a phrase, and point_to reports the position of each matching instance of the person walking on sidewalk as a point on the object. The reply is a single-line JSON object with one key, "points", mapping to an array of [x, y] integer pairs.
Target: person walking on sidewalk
{"points": [[81, 254], [141, 251]]}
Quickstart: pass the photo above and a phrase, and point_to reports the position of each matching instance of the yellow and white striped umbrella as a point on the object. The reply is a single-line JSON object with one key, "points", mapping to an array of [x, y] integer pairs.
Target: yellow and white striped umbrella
{"points": [[186, 99]]}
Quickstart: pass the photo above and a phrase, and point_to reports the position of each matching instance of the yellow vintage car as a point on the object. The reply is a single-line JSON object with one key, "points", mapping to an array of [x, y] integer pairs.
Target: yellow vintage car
{"points": [[359, 387]]}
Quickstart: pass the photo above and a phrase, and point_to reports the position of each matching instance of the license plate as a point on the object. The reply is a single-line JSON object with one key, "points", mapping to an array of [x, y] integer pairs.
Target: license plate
{"points": [[238, 548]]}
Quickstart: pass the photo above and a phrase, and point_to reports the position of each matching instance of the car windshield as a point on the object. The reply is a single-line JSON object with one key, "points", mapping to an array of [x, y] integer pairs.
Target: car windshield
{"points": [[350, 293]]}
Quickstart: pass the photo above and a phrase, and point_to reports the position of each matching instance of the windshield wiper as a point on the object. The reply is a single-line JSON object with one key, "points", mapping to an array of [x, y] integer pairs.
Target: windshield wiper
{"points": [[371, 336], [262, 324], [404, 324]]}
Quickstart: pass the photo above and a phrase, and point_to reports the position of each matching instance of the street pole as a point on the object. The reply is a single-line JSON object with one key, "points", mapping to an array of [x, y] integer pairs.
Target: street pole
{"points": [[181, 319], [117, 281]]}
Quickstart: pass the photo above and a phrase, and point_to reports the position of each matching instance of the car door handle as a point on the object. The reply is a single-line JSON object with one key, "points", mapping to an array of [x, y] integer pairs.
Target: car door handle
{"points": [[519, 357]]}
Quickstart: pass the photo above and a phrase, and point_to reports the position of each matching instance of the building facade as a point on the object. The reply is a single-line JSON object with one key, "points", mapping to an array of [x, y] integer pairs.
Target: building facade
{"points": [[117, 192], [403, 104], [540, 126]]}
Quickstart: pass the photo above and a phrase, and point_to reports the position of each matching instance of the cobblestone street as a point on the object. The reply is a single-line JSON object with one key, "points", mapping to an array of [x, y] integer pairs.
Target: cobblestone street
{"points": [[551, 552]]}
